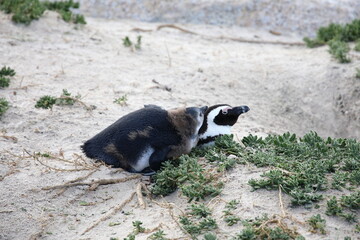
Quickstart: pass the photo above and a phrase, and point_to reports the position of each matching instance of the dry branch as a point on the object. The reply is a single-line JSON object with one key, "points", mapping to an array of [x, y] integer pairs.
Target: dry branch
{"points": [[10, 172], [11, 138], [93, 184], [111, 213], [140, 196], [231, 38]]}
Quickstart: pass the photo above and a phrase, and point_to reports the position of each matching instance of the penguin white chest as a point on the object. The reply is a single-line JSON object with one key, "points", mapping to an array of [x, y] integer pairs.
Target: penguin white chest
{"points": [[143, 161]]}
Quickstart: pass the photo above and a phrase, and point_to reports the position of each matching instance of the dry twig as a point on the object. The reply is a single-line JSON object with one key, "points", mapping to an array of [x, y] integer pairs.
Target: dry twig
{"points": [[111, 213], [11, 138], [93, 184], [140, 196]]}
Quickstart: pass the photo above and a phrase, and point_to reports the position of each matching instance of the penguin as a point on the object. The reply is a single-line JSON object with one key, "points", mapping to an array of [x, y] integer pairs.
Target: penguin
{"points": [[141, 141], [218, 121]]}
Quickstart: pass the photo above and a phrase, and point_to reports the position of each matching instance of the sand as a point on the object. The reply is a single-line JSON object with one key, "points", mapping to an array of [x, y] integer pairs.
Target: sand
{"points": [[288, 88]]}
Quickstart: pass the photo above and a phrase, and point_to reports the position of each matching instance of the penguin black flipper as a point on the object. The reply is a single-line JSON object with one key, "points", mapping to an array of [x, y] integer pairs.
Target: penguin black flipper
{"points": [[158, 157]]}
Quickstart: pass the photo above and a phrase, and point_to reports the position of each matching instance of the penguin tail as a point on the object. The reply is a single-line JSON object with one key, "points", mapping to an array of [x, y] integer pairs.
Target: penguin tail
{"points": [[86, 149]]}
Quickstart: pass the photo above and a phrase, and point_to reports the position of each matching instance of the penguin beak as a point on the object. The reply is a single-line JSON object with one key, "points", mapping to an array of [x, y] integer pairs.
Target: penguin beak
{"points": [[203, 109], [237, 111]]}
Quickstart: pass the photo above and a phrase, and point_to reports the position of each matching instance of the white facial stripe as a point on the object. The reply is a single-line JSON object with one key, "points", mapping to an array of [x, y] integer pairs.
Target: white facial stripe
{"points": [[225, 110], [143, 161], [212, 128]]}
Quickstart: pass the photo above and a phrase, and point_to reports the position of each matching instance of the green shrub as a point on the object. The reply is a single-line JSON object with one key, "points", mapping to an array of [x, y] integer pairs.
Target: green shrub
{"points": [[46, 102], [4, 106], [339, 49], [6, 72], [25, 11], [317, 224], [337, 36]]}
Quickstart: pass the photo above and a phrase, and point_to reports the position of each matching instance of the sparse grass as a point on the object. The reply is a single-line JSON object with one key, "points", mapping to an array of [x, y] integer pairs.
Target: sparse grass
{"points": [[229, 217], [25, 11], [64, 9], [122, 101], [4, 82], [302, 165], [337, 36], [5, 73], [138, 227], [4, 106], [128, 43], [194, 181], [159, 235], [304, 168], [47, 102], [317, 224], [198, 220], [266, 228]]}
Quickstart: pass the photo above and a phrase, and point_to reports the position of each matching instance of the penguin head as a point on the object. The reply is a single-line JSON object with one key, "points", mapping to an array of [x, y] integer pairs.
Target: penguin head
{"points": [[218, 120], [197, 115]]}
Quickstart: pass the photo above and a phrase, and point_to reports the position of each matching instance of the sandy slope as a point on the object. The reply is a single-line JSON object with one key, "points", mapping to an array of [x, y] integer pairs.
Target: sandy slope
{"points": [[288, 88]]}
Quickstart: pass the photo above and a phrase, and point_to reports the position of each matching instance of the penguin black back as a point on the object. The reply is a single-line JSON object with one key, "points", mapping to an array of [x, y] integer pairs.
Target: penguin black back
{"points": [[145, 137]]}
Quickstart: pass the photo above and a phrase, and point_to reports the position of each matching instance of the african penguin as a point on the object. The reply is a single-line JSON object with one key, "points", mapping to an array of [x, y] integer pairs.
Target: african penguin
{"points": [[218, 121], [141, 140]]}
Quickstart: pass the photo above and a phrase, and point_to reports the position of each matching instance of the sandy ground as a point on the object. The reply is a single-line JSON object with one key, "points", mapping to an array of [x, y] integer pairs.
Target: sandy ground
{"points": [[288, 88]]}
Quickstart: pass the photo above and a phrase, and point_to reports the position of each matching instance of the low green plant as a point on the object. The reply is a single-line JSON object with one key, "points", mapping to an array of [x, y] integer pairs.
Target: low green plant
{"points": [[138, 227], [301, 165], [25, 11], [47, 102], [336, 208], [187, 174], [265, 228], [210, 236], [312, 43], [131, 236], [351, 201], [122, 101], [229, 217], [5, 73], [197, 220], [339, 49], [317, 224], [357, 75], [4, 106], [128, 43], [66, 98], [4, 82], [64, 9], [159, 235], [138, 43]]}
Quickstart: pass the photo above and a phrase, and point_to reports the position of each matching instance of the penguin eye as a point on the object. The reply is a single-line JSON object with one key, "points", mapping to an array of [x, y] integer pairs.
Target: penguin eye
{"points": [[225, 111]]}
